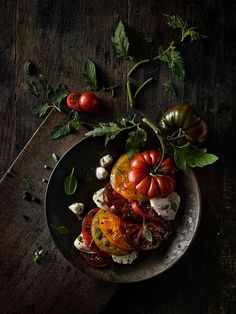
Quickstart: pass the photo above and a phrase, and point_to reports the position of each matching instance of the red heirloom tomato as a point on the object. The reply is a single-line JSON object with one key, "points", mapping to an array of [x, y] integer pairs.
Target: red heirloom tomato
{"points": [[86, 229], [72, 101], [89, 102], [147, 180]]}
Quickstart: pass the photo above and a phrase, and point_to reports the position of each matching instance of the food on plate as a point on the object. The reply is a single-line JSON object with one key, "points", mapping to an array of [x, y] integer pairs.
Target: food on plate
{"points": [[128, 219]]}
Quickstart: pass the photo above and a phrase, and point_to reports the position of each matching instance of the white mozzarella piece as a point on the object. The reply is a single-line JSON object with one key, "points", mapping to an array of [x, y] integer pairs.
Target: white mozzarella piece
{"points": [[101, 173], [166, 207], [98, 199], [105, 161], [77, 208], [125, 259], [80, 244]]}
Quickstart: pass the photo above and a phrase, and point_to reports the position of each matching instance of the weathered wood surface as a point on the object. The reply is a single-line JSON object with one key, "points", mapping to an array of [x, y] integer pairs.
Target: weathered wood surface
{"points": [[58, 36]]}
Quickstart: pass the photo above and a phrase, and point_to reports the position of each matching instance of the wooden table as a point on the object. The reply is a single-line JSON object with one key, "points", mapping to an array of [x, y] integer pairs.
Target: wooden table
{"points": [[58, 36]]}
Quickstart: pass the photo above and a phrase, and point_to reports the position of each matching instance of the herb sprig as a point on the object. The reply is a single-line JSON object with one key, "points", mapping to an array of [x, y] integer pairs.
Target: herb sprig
{"points": [[137, 136], [176, 21]]}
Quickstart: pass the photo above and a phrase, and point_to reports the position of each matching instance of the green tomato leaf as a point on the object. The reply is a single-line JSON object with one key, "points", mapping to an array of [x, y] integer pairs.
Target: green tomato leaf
{"points": [[75, 125], [110, 130], [60, 229], [174, 60], [60, 130], [120, 42], [32, 88], [90, 75], [168, 86], [41, 109], [136, 139], [46, 87], [60, 94], [190, 155], [70, 184]]}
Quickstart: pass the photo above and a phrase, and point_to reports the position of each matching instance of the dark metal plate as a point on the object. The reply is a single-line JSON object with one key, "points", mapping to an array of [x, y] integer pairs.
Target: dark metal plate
{"points": [[84, 156]]}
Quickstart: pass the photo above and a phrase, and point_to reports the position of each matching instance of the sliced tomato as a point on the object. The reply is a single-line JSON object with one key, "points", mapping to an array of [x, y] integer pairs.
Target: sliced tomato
{"points": [[86, 229], [118, 205], [120, 181], [100, 239], [146, 212], [95, 260], [111, 228]]}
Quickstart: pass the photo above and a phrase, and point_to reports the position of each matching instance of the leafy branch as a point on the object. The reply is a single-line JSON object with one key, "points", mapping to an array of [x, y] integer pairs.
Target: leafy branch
{"points": [[136, 136], [176, 21]]}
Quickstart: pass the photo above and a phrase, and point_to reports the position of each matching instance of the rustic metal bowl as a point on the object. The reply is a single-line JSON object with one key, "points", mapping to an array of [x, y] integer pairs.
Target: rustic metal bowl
{"points": [[84, 156]]}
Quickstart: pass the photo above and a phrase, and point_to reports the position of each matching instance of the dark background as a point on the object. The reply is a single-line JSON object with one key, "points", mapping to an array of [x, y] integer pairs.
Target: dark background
{"points": [[58, 36]]}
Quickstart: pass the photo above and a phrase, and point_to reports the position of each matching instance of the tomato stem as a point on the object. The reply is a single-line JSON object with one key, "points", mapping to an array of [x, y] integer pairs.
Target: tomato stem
{"points": [[142, 86], [137, 65], [160, 138], [130, 94]]}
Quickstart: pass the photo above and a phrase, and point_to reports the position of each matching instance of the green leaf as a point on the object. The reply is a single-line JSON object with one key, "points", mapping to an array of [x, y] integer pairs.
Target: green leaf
{"points": [[120, 42], [136, 139], [60, 94], [172, 57], [41, 109], [190, 155], [46, 86], [60, 130], [173, 206], [168, 86], [98, 233], [32, 88], [176, 21], [90, 75], [60, 229], [147, 233], [70, 184], [110, 130], [75, 125]]}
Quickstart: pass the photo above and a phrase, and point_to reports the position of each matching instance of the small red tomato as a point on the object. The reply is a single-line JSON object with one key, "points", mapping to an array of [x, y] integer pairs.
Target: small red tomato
{"points": [[89, 102], [72, 101]]}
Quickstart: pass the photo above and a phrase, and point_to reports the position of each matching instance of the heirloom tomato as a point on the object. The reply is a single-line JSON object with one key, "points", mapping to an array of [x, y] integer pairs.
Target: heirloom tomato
{"points": [[184, 117], [149, 181]]}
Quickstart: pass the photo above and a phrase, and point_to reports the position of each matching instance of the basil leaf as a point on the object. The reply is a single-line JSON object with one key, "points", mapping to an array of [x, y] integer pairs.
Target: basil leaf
{"points": [[32, 88], [98, 233], [136, 139], [147, 233], [173, 206], [190, 155], [41, 109], [60, 95], [120, 42], [168, 86], [60, 229], [60, 130], [70, 184], [90, 74]]}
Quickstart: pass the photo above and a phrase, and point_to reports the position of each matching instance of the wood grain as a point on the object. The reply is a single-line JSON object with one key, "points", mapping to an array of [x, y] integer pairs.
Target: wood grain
{"points": [[59, 36]]}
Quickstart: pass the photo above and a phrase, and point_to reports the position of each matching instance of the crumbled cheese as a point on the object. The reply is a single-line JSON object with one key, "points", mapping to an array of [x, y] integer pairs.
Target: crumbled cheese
{"points": [[98, 199], [166, 207], [80, 244], [101, 173], [77, 208], [105, 161], [125, 259]]}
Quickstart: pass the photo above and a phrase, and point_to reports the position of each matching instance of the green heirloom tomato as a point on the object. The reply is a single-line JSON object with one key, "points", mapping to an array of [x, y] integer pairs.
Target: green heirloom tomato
{"points": [[186, 118]]}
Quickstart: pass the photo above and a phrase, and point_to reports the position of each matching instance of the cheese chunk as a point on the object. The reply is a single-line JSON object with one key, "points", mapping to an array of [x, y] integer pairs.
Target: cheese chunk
{"points": [[98, 199], [80, 244], [105, 161], [125, 259], [166, 207], [77, 208], [101, 173]]}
